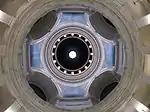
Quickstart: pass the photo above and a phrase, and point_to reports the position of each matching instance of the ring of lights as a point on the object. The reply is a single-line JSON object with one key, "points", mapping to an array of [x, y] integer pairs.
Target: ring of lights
{"points": [[82, 68], [80, 32]]}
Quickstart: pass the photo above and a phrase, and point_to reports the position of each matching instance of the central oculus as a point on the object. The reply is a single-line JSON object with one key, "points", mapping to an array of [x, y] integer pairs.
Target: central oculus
{"points": [[72, 53]]}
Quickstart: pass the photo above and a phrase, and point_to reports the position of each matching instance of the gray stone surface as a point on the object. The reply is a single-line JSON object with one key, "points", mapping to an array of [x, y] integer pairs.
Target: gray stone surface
{"points": [[29, 12]]}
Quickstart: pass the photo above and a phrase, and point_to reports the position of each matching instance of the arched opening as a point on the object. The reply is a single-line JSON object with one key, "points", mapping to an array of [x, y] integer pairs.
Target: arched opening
{"points": [[38, 91], [103, 85], [108, 22], [43, 86], [42, 26], [103, 26], [108, 89]]}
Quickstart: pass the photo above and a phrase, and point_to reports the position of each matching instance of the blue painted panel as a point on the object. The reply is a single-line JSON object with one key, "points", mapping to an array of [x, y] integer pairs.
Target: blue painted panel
{"points": [[110, 55], [73, 92], [35, 55], [73, 17]]}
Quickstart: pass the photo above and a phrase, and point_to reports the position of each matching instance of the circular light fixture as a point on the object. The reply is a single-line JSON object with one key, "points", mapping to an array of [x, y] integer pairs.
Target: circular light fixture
{"points": [[72, 54], [78, 51]]}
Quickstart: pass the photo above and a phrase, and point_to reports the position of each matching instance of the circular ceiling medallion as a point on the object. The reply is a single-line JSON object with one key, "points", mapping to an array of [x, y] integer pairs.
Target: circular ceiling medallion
{"points": [[72, 53]]}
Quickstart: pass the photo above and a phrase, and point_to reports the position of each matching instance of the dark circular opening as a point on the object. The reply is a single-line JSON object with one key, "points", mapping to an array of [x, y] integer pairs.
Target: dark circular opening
{"points": [[108, 22], [107, 90], [38, 91], [74, 47]]}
